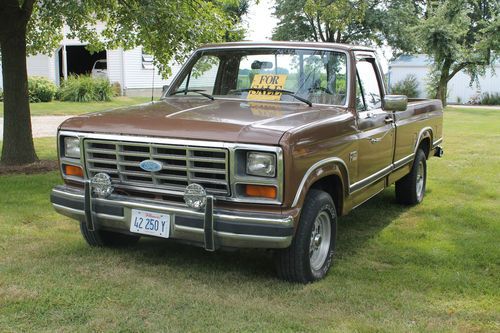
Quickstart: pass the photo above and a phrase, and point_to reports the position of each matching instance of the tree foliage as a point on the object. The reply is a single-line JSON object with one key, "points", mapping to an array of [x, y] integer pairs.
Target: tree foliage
{"points": [[168, 29], [236, 10], [408, 86], [340, 21], [456, 34]]}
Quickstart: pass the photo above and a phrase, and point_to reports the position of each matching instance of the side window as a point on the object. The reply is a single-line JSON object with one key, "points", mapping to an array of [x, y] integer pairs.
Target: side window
{"points": [[368, 87], [360, 102], [203, 75]]}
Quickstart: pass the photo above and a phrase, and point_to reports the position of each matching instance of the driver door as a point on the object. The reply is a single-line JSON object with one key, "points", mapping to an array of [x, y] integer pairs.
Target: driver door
{"points": [[376, 126]]}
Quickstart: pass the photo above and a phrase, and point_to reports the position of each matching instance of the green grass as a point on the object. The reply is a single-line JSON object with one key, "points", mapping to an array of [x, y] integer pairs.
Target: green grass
{"points": [[57, 108], [433, 267]]}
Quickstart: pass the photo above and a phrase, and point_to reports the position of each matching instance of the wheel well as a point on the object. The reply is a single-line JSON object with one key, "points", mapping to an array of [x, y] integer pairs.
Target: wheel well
{"points": [[333, 186], [425, 145]]}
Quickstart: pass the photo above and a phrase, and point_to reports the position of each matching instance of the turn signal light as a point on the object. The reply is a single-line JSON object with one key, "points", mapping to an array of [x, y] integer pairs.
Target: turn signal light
{"points": [[71, 170], [261, 191]]}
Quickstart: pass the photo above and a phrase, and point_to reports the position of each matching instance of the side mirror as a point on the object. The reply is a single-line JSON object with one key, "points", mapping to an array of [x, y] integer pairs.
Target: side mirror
{"points": [[395, 103], [164, 88]]}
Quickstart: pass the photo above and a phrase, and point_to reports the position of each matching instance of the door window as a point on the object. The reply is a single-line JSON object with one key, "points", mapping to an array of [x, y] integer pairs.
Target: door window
{"points": [[203, 75], [368, 94]]}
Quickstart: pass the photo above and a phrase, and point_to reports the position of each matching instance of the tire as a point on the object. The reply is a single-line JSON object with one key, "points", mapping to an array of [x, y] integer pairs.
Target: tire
{"points": [[103, 238], [410, 189], [309, 257]]}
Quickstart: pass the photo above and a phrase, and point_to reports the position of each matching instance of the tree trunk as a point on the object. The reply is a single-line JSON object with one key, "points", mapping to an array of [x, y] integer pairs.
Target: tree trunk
{"points": [[442, 85], [441, 92], [18, 145]]}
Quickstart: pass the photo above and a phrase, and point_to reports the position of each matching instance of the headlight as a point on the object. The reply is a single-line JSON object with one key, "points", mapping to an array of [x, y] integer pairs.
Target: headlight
{"points": [[261, 164], [71, 147]]}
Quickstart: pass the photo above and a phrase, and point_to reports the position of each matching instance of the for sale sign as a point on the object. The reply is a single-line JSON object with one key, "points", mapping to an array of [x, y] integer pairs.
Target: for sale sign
{"points": [[267, 81]]}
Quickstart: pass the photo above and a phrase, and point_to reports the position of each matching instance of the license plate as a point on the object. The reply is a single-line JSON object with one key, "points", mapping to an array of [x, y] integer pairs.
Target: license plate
{"points": [[150, 223]]}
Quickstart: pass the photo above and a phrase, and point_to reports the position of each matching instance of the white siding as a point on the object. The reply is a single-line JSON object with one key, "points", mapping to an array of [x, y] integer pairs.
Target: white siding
{"points": [[459, 88], [74, 41], [397, 74], [39, 65], [461, 91], [115, 66], [136, 77]]}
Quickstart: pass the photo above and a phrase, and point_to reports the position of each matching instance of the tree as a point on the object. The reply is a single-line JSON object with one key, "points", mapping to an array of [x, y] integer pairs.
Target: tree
{"points": [[168, 29], [236, 10], [340, 21], [457, 35]]}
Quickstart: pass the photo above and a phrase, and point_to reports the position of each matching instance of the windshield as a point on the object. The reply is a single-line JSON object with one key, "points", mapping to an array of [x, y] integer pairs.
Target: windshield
{"points": [[316, 75], [100, 64]]}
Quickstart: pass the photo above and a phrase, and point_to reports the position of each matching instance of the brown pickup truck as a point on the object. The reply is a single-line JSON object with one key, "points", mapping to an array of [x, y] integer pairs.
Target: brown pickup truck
{"points": [[253, 145]]}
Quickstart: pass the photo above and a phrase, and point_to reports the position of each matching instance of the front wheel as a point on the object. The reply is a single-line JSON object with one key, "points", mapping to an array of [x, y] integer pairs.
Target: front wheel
{"points": [[309, 257]]}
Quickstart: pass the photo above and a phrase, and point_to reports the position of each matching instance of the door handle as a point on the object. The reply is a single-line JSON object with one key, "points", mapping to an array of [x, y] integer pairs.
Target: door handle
{"points": [[377, 140], [388, 120]]}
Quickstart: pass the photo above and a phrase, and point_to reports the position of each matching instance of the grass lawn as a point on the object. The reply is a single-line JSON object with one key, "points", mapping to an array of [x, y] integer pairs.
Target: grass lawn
{"points": [[57, 108], [433, 267]]}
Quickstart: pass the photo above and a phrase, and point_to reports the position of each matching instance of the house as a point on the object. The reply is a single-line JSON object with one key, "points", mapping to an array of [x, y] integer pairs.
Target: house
{"points": [[459, 88], [132, 69]]}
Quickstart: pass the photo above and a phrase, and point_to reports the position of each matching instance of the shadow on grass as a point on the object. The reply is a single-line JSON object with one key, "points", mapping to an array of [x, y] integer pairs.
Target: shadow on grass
{"points": [[354, 231], [366, 222]]}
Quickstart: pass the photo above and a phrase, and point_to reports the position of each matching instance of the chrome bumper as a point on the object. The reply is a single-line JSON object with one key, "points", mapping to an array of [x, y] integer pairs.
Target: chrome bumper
{"points": [[212, 228]]}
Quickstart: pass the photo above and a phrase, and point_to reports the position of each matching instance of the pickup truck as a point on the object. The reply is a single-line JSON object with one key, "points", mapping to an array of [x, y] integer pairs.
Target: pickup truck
{"points": [[253, 145]]}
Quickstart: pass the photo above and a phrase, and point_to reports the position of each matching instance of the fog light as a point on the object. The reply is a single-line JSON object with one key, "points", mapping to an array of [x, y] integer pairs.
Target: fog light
{"points": [[195, 196], [101, 185]]}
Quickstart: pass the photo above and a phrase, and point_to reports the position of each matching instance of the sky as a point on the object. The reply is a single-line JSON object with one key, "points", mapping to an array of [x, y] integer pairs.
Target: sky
{"points": [[260, 24], [260, 21]]}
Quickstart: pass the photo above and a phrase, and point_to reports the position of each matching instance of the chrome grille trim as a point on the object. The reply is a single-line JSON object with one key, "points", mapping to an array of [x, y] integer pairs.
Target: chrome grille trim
{"points": [[182, 165]]}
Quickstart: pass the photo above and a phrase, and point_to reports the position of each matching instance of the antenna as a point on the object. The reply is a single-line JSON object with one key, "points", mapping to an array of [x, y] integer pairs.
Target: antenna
{"points": [[153, 84]]}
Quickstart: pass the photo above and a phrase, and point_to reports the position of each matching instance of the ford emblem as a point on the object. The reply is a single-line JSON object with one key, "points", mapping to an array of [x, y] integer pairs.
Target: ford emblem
{"points": [[150, 165]]}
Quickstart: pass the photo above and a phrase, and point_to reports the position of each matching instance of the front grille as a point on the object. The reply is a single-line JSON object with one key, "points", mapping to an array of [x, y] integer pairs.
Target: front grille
{"points": [[182, 165]]}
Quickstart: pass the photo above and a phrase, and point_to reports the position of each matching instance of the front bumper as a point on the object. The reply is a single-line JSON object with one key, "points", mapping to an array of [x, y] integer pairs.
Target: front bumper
{"points": [[212, 229]]}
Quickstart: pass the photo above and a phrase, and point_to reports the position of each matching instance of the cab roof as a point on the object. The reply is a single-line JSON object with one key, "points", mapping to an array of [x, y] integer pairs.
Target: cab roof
{"points": [[333, 46]]}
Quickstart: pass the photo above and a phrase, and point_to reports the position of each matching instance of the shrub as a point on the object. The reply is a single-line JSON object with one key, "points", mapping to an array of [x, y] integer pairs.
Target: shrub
{"points": [[84, 88], [490, 99], [41, 89], [408, 86], [117, 89]]}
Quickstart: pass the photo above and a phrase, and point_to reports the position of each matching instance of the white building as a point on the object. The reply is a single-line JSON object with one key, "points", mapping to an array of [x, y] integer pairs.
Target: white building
{"points": [[132, 69], [459, 88]]}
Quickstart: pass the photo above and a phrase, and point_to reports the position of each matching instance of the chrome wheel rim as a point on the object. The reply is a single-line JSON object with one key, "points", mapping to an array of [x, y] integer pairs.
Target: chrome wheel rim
{"points": [[420, 179], [320, 240]]}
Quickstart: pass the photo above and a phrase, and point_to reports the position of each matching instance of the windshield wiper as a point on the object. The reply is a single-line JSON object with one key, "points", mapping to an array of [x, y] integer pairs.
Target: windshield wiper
{"points": [[197, 91], [282, 91]]}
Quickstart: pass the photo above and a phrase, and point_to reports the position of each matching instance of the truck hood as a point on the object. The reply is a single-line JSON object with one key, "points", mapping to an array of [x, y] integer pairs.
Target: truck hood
{"points": [[199, 119]]}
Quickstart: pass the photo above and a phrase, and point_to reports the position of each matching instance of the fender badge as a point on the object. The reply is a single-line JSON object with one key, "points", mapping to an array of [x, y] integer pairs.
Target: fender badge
{"points": [[353, 156]]}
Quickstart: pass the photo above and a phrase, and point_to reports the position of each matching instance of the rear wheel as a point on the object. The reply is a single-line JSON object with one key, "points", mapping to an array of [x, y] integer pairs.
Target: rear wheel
{"points": [[106, 238], [309, 257], [410, 189]]}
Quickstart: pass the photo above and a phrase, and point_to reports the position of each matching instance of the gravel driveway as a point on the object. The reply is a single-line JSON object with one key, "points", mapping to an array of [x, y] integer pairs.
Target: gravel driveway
{"points": [[42, 125]]}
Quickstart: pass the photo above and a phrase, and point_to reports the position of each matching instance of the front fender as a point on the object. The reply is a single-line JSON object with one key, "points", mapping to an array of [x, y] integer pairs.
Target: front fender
{"points": [[333, 166]]}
